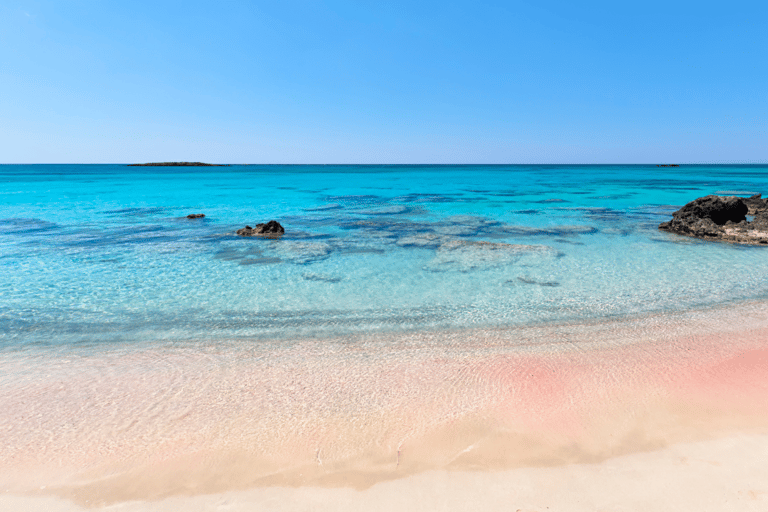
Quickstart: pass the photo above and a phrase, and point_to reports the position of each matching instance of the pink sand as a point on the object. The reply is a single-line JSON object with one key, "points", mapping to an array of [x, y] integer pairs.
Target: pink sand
{"points": [[368, 413]]}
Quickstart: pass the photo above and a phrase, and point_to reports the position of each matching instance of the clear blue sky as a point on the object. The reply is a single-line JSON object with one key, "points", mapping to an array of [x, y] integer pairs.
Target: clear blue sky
{"points": [[383, 82]]}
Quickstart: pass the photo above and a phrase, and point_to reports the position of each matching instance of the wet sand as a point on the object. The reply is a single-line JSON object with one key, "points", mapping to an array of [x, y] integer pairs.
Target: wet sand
{"points": [[663, 411]]}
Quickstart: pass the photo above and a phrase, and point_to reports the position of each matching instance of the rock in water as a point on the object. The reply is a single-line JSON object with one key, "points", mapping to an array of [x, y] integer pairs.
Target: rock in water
{"points": [[719, 218], [717, 208], [271, 228], [756, 204], [195, 215]]}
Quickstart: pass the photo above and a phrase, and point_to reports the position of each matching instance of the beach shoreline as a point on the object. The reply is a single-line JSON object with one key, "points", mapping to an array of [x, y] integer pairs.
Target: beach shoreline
{"points": [[349, 419], [708, 476]]}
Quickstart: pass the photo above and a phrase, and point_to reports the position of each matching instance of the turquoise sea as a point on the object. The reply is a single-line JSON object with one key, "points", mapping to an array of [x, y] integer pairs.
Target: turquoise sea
{"points": [[97, 255]]}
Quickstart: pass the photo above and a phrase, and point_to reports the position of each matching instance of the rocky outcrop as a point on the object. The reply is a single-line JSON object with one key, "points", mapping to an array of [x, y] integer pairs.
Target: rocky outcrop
{"points": [[718, 209], [195, 215], [270, 229], [756, 204], [722, 218]]}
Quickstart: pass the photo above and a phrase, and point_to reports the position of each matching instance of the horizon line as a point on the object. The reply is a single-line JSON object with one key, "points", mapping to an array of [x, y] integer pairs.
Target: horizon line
{"points": [[389, 164]]}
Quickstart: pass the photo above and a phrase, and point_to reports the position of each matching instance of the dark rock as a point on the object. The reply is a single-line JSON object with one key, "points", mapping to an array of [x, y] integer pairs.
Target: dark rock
{"points": [[716, 208], [270, 229], [760, 222], [720, 218], [195, 215], [756, 204]]}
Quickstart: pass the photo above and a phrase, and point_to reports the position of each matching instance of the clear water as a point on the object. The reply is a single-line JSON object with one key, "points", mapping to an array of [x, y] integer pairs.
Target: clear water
{"points": [[93, 254]]}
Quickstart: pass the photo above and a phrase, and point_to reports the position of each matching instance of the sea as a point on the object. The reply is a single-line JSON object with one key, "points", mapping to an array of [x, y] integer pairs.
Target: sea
{"points": [[412, 318], [100, 255]]}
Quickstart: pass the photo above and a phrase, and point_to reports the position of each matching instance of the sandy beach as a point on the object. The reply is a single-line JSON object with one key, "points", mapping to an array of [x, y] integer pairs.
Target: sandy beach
{"points": [[663, 411], [723, 474]]}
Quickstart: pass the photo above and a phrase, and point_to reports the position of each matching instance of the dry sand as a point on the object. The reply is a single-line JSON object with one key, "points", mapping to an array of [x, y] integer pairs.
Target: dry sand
{"points": [[727, 474]]}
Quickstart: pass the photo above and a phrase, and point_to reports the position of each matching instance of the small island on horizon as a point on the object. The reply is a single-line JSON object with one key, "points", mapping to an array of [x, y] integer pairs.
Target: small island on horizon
{"points": [[178, 164]]}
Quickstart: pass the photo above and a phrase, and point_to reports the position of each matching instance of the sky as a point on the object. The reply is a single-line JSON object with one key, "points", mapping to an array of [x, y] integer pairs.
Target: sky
{"points": [[383, 82]]}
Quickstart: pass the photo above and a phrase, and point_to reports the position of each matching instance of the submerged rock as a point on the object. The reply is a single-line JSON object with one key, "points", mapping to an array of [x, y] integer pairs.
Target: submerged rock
{"points": [[425, 240], [271, 228], [321, 277], [722, 218], [530, 280], [465, 256], [195, 215], [303, 253]]}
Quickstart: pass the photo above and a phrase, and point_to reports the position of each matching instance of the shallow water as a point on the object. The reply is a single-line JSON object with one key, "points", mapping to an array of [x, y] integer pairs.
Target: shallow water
{"points": [[93, 254]]}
